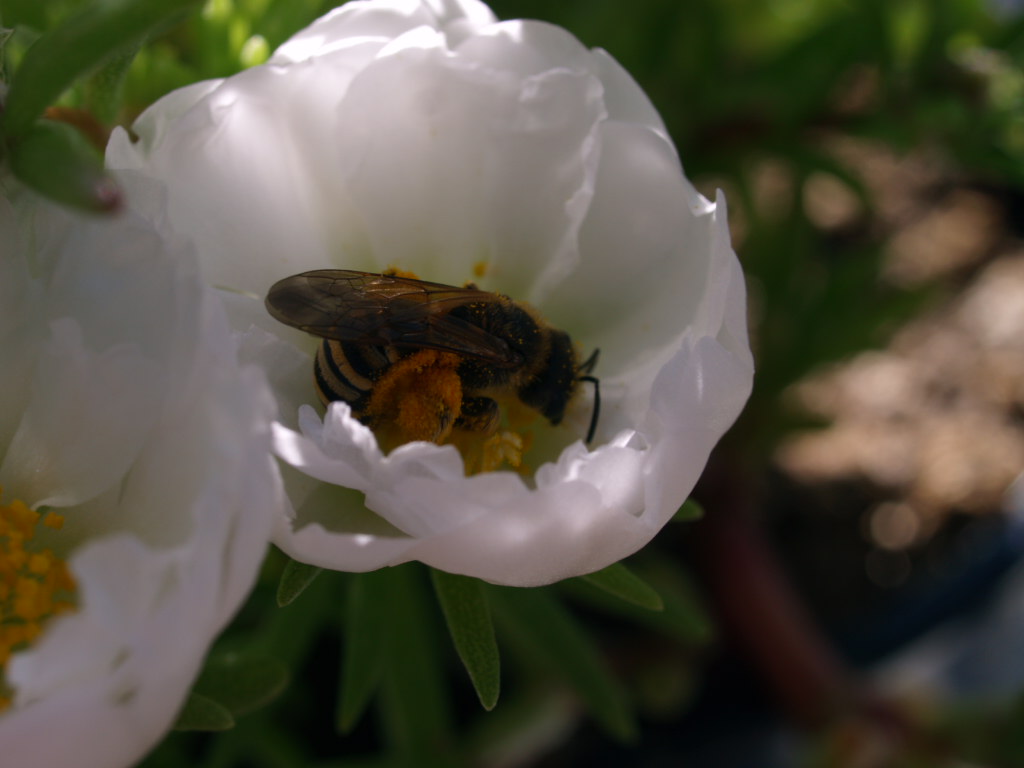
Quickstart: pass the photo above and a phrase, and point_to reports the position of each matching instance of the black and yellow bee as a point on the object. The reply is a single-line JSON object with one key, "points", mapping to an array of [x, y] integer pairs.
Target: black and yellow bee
{"points": [[418, 360]]}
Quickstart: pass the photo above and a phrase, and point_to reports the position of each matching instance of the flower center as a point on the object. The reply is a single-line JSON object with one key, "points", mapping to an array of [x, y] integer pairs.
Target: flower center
{"points": [[35, 584]]}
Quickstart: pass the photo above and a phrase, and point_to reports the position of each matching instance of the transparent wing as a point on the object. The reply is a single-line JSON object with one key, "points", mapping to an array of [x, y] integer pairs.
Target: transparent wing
{"points": [[385, 310]]}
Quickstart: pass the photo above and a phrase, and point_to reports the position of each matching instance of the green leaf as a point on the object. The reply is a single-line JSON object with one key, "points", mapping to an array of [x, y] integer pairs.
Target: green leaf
{"points": [[464, 604], [362, 650], [415, 710], [241, 683], [75, 46], [31, 13], [104, 89], [683, 618], [203, 714], [55, 160], [689, 512], [618, 580], [295, 577], [548, 633]]}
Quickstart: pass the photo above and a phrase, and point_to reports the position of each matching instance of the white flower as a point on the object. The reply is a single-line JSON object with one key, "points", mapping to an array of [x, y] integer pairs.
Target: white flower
{"points": [[427, 136], [124, 411]]}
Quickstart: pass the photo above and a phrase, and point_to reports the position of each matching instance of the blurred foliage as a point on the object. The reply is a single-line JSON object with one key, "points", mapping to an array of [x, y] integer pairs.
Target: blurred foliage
{"points": [[742, 85]]}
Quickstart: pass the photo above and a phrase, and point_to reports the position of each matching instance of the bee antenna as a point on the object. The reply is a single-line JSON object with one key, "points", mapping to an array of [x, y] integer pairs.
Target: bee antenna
{"points": [[586, 367], [597, 406]]}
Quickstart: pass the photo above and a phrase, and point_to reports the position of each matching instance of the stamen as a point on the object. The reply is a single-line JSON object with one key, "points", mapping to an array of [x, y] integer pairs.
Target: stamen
{"points": [[490, 452], [35, 584], [504, 447]]}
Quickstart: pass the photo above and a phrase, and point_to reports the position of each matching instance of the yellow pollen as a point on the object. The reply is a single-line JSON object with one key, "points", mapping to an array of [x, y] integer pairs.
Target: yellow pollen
{"points": [[491, 451], [418, 398], [54, 521], [396, 272], [502, 448], [35, 584]]}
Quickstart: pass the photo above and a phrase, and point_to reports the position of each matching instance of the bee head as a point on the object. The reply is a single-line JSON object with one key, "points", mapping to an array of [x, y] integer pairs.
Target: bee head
{"points": [[552, 388]]}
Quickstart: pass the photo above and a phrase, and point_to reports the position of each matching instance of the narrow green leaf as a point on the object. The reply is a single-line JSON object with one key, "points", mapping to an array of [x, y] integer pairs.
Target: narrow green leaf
{"points": [[618, 580], [689, 512], [5, 34], [544, 629], [362, 649], [415, 710], [241, 683], [295, 577], [75, 46], [468, 616], [203, 714], [55, 160], [104, 88], [29, 13], [683, 617]]}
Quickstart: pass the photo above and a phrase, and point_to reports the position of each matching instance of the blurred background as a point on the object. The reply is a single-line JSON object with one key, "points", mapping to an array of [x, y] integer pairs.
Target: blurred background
{"points": [[852, 595]]}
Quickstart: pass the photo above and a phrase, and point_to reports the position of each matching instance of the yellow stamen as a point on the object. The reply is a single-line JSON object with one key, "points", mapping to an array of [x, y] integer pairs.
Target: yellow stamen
{"points": [[489, 452], [54, 521], [35, 584], [504, 447]]}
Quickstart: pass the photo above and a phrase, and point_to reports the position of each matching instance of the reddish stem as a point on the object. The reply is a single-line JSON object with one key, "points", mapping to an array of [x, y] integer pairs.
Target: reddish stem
{"points": [[759, 610]]}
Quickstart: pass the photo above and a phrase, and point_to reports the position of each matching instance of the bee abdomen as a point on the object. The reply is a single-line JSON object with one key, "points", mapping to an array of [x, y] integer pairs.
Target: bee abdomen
{"points": [[348, 371]]}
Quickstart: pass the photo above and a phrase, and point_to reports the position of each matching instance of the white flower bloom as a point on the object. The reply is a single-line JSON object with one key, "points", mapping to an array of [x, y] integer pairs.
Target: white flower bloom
{"points": [[426, 135], [126, 412]]}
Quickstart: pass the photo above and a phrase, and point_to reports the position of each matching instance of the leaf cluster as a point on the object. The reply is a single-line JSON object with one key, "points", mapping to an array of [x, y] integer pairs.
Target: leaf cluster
{"points": [[72, 70], [385, 642]]}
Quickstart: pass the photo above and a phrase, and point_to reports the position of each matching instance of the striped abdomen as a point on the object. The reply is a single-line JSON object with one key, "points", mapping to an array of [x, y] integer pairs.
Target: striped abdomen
{"points": [[345, 371]]}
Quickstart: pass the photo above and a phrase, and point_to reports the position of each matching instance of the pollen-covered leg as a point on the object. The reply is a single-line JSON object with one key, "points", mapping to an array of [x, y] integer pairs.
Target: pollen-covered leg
{"points": [[417, 398]]}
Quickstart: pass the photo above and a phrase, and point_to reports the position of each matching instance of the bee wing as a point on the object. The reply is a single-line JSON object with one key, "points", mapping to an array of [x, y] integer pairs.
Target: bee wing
{"points": [[385, 310]]}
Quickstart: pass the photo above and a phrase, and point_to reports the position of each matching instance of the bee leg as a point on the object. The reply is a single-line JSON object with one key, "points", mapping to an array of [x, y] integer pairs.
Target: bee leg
{"points": [[478, 435], [479, 414], [418, 398]]}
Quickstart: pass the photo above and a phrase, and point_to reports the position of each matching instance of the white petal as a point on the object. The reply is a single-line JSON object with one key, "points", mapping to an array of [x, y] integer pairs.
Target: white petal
{"points": [[435, 138], [273, 220], [22, 329], [98, 405]]}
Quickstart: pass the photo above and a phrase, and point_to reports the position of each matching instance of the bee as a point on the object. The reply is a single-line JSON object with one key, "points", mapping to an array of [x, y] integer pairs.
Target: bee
{"points": [[425, 359]]}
